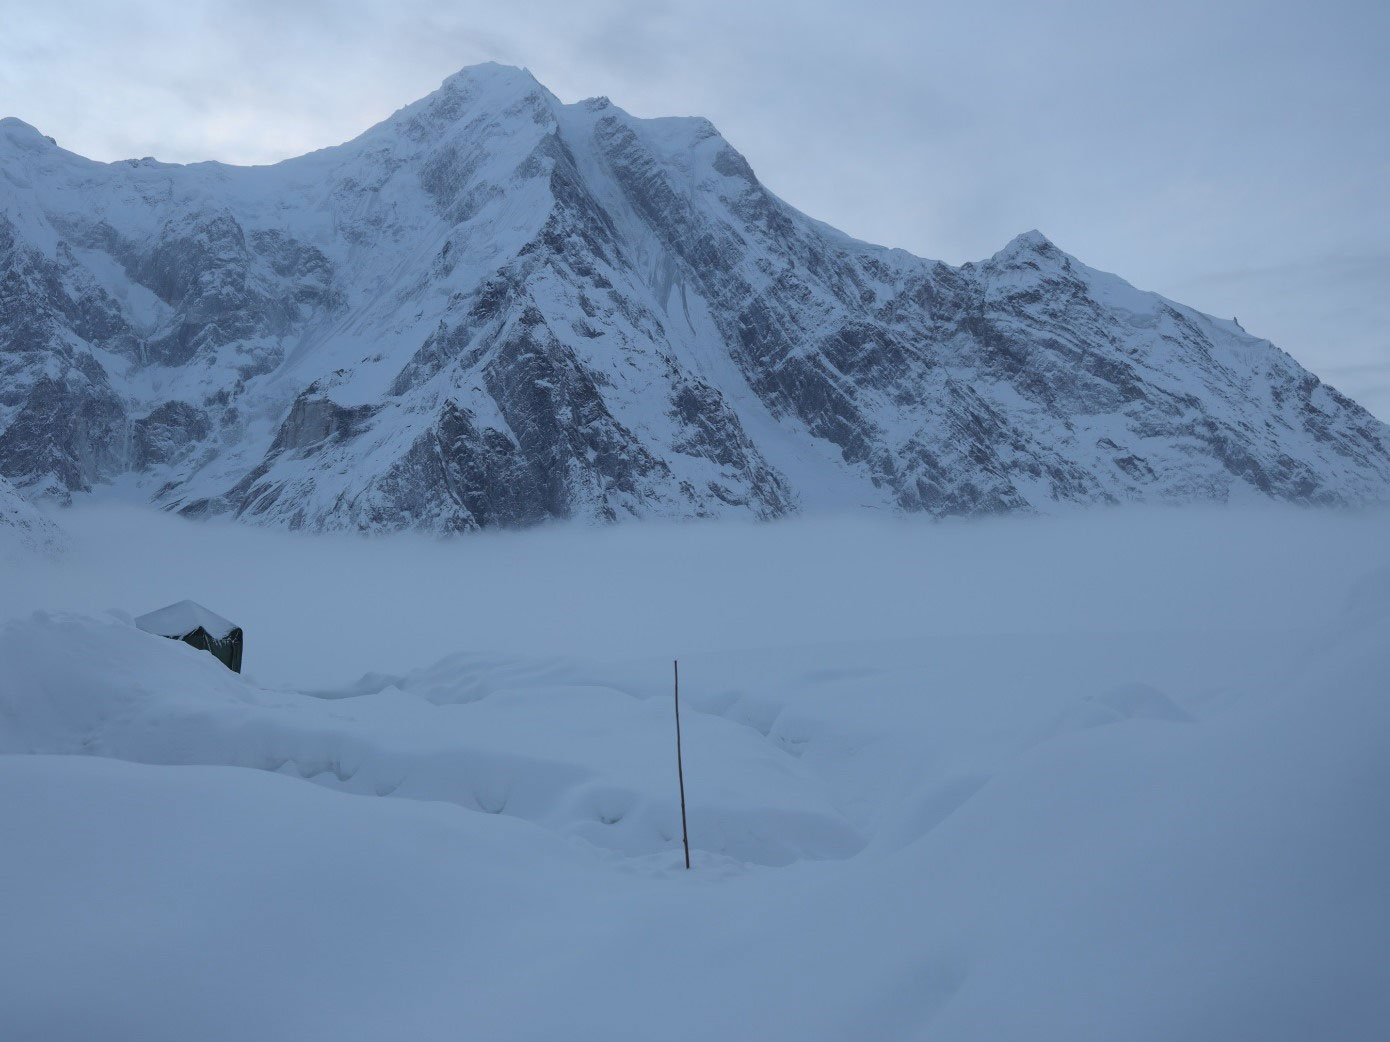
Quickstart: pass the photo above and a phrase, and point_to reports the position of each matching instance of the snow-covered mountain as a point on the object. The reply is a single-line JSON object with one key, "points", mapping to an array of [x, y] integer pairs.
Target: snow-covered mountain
{"points": [[24, 531], [494, 308]]}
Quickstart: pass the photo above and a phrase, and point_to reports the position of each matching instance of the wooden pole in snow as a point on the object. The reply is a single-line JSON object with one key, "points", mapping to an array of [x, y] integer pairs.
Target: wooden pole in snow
{"points": [[680, 767]]}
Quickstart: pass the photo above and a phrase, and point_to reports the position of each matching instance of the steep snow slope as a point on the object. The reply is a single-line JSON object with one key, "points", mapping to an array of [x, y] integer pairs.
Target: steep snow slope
{"points": [[24, 531], [493, 308]]}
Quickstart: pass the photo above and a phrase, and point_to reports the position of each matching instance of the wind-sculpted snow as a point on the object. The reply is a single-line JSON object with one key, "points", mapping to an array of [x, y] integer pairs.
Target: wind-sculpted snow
{"points": [[1115, 776], [582, 759], [495, 309]]}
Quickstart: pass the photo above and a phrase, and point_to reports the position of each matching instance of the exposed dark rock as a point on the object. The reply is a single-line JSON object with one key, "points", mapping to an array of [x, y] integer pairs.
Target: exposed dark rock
{"points": [[167, 434], [493, 309]]}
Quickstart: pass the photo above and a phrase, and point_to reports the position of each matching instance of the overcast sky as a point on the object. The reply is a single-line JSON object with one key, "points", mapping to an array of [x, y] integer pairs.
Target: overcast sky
{"points": [[1232, 154]]}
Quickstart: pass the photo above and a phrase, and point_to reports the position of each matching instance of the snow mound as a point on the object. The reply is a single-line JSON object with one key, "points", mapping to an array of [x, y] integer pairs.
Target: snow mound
{"points": [[1135, 701], [582, 760], [1075, 895], [883, 848]]}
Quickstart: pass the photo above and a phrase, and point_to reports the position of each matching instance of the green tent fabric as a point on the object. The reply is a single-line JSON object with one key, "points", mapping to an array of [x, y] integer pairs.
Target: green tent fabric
{"points": [[193, 624]]}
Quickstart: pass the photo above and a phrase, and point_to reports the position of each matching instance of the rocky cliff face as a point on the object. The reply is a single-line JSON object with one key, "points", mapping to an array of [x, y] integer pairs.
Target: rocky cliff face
{"points": [[495, 309]]}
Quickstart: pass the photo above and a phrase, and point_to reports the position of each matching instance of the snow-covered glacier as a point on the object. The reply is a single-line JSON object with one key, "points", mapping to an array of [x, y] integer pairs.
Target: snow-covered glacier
{"points": [[1110, 776], [497, 309]]}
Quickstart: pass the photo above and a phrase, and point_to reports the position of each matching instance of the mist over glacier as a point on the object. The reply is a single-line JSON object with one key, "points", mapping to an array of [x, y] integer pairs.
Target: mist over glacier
{"points": [[1115, 774], [373, 604]]}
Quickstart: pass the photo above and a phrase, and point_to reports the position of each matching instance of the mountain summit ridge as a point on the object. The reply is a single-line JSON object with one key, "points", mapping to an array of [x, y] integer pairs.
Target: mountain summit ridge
{"points": [[494, 308]]}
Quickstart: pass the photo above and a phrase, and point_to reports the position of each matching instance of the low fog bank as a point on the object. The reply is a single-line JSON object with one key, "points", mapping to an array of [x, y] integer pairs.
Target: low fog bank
{"points": [[1114, 776], [322, 610]]}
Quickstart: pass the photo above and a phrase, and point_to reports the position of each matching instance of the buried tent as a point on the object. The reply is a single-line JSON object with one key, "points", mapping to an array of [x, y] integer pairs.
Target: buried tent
{"points": [[194, 624]]}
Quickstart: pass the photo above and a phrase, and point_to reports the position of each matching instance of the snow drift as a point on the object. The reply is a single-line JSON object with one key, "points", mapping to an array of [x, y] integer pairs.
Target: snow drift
{"points": [[1114, 777]]}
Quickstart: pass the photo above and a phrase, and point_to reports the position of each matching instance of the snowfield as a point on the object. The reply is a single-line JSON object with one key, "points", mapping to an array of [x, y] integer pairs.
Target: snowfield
{"points": [[1112, 776]]}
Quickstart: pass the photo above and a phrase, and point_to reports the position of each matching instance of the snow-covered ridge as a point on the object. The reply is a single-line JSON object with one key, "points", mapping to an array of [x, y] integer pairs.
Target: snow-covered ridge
{"points": [[24, 531], [493, 308]]}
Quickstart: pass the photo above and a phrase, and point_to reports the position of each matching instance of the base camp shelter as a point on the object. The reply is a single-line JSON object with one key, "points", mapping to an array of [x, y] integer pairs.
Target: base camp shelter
{"points": [[194, 624]]}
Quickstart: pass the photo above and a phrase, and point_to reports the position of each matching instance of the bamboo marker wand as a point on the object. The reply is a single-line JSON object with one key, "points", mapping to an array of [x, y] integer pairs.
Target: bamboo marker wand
{"points": [[680, 767]]}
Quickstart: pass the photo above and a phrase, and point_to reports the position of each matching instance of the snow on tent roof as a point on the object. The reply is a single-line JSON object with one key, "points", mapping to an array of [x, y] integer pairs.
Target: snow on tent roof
{"points": [[181, 619]]}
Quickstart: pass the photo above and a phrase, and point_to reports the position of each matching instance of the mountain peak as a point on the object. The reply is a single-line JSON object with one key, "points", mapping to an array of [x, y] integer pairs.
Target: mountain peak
{"points": [[1032, 241], [487, 75], [20, 134], [487, 88]]}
